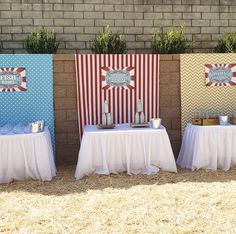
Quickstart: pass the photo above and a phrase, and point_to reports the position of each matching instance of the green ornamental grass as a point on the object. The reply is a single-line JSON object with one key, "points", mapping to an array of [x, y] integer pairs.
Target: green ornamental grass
{"points": [[227, 44], [171, 42], [42, 41], [109, 43]]}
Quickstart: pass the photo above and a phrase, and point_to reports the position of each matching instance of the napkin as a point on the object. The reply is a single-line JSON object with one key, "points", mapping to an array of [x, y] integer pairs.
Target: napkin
{"points": [[19, 128], [27, 129], [6, 129]]}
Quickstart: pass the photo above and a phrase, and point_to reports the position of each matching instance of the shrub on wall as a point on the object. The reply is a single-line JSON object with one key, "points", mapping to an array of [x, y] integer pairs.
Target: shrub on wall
{"points": [[42, 41], [171, 42], [227, 44], [108, 43]]}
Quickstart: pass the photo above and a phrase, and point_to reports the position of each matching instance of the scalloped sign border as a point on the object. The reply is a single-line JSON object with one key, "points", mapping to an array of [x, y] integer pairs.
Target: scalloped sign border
{"points": [[220, 74], [13, 79]]}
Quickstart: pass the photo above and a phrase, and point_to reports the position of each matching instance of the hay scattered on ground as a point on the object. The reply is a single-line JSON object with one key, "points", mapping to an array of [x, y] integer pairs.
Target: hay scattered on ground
{"points": [[199, 201]]}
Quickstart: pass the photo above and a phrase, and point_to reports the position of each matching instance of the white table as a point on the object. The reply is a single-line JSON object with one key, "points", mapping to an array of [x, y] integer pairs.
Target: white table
{"points": [[208, 147], [124, 149], [25, 156]]}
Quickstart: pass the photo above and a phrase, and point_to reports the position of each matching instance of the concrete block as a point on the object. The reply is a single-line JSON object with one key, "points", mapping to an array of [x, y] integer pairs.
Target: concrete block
{"points": [[136, 15], [104, 23], [84, 37], [182, 8], [63, 7], [209, 44], [73, 30], [143, 8], [232, 23], [43, 22], [182, 22], [210, 2], [21, 6], [32, 14], [94, 1], [220, 23], [12, 45], [93, 30], [22, 22], [53, 14], [13, 29], [172, 2], [161, 23], [202, 37], [5, 21], [155, 16], [220, 8], [73, 15], [203, 23], [10, 14], [212, 16], [104, 7], [163, 8], [64, 22], [127, 23], [5, 37], [192, 2], [84, 7], [124, 8], [133, 30], [5, 6], [93, 15], [114, 15], [42, 7], [193, 16], [135, 45], [227, 29], [172, 15], [143, 23], [113, 2], [211, 30], [84, 22], [229, 16], [66, 37], [201, 8]]}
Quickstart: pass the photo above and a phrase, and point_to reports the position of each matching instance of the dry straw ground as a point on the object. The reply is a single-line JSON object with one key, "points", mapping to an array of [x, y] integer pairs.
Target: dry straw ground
{"points": [[187, 202]]}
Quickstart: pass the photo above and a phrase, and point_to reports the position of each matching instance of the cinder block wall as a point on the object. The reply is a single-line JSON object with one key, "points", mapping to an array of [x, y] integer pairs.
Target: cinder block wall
{"points": [[66, 121], [170, 103], [65, 107], [78, 21]]}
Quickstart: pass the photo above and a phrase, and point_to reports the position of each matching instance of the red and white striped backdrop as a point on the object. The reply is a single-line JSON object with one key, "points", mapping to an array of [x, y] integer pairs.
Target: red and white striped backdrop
{"points": [[121, 101]]}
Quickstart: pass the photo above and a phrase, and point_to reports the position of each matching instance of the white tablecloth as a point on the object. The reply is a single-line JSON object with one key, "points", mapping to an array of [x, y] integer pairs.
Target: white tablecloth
{"points": [[209, 147], [124, 149], [25, 156]]}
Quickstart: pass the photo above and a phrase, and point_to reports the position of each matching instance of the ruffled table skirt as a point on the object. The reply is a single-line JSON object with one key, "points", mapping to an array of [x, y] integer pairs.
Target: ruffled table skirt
{"points": [[124, 149], [24, 156], [208, 147]]}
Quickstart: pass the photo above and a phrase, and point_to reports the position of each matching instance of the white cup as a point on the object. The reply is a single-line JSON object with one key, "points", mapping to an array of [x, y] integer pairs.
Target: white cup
{"points": [[223, 120], [156, 123]]}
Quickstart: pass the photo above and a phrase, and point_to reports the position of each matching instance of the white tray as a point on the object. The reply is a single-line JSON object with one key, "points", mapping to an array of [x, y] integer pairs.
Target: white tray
{"points": [[142, 125]]}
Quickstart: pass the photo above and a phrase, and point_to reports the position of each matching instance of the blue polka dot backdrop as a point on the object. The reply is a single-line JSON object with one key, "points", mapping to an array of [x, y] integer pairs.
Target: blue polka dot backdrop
{"points": [[36, 103]]}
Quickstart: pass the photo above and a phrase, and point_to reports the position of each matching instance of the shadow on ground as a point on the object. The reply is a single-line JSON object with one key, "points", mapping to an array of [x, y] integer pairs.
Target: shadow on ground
{"points": [[65, 183]]}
